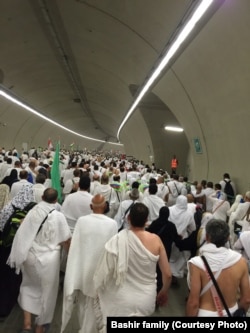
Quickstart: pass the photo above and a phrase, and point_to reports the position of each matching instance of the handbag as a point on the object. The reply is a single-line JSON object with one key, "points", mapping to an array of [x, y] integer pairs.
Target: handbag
{"points": [[240, 312]]}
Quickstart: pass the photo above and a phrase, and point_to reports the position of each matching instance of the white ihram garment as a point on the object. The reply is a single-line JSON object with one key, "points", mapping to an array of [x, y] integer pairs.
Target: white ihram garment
{"points": [[87, 245], [126, 277], [38, 257], [185, 224], [218, 258]]}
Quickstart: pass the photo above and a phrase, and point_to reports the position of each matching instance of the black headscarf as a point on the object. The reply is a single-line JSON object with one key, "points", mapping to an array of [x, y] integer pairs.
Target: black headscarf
{"points": [[12, 178], [165, 229]]}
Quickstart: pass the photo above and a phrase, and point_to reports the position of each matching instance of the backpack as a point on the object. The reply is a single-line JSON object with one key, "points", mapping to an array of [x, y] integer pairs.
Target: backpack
{"points": [[13, 223], [229, 190]]}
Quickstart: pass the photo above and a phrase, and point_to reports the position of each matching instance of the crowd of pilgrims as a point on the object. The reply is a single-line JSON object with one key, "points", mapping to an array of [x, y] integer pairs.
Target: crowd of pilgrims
{"points": [[185, 205], [114, 176]]}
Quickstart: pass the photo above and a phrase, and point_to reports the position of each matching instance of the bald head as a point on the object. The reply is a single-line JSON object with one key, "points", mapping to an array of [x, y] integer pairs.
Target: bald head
{"points": [[190, 197], [198, 188], [160, 180], [98, 204]]}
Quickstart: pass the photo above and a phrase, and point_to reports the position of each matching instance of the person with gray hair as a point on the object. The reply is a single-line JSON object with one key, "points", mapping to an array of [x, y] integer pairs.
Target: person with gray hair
{"points": [[229, 269], [217, 232]]}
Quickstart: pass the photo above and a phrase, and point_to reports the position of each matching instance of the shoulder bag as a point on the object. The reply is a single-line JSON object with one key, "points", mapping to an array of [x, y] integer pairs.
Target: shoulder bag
{"points": [[41, 225], [240, 312], [124, 216]]}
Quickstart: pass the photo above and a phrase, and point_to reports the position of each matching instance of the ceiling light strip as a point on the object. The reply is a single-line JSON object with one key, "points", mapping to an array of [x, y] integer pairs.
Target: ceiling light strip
{"points": [[173, 129], [198, 13], [30, 109]]}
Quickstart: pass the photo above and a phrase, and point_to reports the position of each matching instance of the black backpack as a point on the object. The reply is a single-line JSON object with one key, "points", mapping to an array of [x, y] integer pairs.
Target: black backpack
{"points": [[229, 190], [13, 223]]}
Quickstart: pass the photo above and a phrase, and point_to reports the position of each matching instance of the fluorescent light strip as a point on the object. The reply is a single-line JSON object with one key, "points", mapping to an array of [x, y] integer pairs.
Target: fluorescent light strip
{"points": [[182, 36], [201, 9], [28, 108], [173, 129]]}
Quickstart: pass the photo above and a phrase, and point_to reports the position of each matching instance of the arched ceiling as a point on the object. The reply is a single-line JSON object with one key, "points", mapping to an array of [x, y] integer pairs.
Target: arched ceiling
{"points": [[75, 60], [81, 63]]}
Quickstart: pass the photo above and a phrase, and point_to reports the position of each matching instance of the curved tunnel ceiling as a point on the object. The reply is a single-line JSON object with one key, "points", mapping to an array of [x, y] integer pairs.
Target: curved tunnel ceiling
{"points": [[81, 62], [75, 61]]}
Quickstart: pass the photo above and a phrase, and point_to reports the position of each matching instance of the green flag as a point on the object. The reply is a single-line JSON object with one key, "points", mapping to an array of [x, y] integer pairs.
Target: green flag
{"points": [[55, 173]]}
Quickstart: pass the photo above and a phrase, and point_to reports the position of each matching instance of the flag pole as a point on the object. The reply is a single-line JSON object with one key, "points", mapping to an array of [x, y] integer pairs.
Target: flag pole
{"points": [[55, 173]]}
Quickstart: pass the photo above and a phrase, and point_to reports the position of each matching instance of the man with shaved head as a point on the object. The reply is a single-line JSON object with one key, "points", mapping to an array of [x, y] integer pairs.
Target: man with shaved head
{"points": [[98, 204], [87, 245], [95, 185]]}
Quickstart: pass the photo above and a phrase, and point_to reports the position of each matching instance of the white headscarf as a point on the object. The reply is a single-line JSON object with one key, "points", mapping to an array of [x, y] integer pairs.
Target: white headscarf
{"points": [[179, 207], [234, 206], [181, 216]]}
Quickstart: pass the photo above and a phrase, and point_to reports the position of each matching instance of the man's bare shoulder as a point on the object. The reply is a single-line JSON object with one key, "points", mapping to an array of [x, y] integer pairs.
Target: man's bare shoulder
{"points": [[152, 236], [240, 266]]}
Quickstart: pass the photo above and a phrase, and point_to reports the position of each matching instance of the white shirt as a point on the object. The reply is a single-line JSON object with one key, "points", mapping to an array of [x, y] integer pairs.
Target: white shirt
{"points": [[76, 205]]}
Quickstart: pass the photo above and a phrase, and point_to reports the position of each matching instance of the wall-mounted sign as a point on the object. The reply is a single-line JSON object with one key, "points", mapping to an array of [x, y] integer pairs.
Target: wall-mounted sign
{"points": [[197, 146]]}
